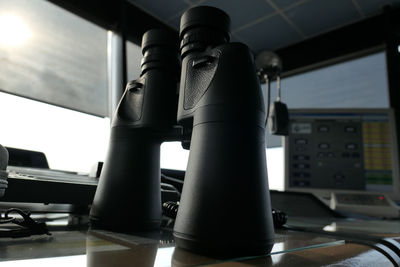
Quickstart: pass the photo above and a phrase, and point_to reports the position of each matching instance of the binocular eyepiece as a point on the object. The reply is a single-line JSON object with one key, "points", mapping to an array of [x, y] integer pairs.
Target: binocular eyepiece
{"points": [[160, 51], [201, 27]]}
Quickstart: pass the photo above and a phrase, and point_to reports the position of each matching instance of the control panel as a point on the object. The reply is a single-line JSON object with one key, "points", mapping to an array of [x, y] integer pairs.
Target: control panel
{"points": [[377, 205], [346, 151], [327, 154]]}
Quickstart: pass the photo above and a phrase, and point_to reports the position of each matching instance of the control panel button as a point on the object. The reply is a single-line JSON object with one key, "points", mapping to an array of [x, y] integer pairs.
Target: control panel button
{"points": [[350, 129], [301, 157], [301, 166], [301, 174], [302, 183], [300, 141], [351, 146], [323, 129], [323, 145], [339, 176], [300, 148]]}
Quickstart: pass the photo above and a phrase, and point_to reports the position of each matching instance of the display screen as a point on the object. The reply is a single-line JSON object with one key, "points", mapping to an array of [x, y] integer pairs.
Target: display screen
{"points": [[337, 149]]}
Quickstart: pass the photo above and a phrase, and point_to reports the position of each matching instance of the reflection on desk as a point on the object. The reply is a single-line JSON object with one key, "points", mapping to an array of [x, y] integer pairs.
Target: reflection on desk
{"points": [[376, 227], [79, 260], [106, 249]]}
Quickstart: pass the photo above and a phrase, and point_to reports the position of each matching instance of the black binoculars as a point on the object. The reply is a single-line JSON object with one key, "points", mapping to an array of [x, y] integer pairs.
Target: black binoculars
{"points": [[128, 195], [225, 206]]}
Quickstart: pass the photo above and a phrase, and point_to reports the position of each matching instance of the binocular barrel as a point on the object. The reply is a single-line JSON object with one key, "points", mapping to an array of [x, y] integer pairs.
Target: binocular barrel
{"points": [[128, 196], [225, 206]]}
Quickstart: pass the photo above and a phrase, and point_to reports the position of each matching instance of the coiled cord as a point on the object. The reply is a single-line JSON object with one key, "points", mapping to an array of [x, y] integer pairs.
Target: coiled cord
{"points": [[279, 218], [28, 226], [170, 209]]}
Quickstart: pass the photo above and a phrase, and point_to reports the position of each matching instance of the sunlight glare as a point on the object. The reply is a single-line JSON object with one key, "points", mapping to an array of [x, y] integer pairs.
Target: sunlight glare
{"points": [[13, 30]]}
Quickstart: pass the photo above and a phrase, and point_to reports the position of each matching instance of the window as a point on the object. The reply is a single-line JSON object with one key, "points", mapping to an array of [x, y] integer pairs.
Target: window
{"points": [[71, 140], [134, 57], [55, 57], [357, 83]]}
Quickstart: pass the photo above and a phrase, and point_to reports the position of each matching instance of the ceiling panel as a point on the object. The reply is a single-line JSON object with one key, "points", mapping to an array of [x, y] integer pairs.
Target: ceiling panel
{"points": [[175, 22], [317, 16], [235, 38], [194, 2], [285, 3], [272, 24], [242, 12], [162, 9], [268, 34], [371, 7]]}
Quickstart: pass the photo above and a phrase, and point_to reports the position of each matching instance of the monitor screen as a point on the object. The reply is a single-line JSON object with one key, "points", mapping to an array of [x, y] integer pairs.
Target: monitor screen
{"points": [[342, 150]]}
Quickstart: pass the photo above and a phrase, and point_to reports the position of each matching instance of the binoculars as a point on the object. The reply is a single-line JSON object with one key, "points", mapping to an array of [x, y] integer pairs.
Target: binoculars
{"points": [[225, 206]]}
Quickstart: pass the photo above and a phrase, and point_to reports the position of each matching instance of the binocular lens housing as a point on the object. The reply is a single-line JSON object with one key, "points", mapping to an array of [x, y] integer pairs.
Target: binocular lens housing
{"points": [[160, 51], [203, 26]]}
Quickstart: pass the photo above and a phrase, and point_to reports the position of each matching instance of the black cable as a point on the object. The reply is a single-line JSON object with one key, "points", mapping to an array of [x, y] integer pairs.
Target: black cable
{"points": [[172, 189], [28, 226], [172, 179], [268, 100]]}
